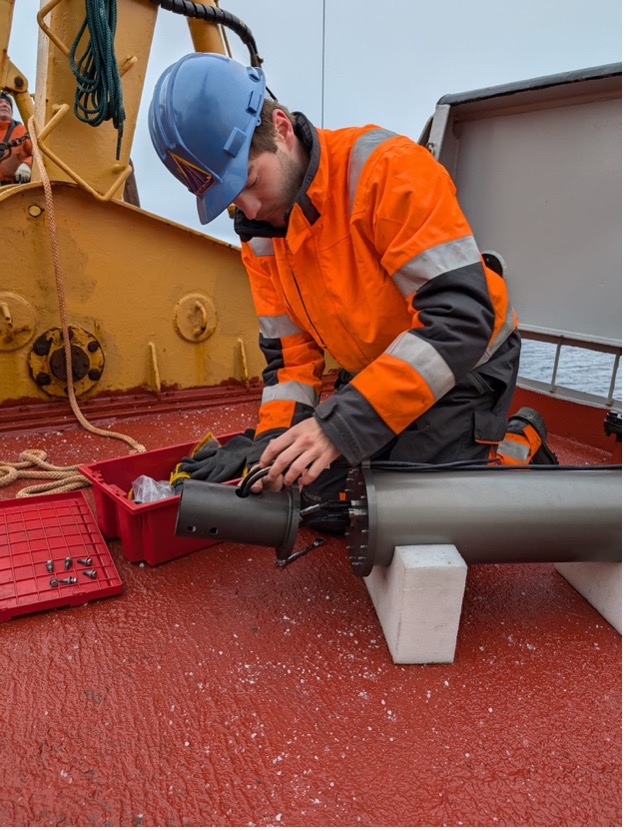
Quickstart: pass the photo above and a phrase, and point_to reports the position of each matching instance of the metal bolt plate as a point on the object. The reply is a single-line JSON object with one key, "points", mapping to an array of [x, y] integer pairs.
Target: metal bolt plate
{"points": [[46, 361], [358, 540]]}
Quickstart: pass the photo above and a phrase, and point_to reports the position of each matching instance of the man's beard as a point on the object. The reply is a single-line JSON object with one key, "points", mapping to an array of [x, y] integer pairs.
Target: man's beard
{"points": [[292, 174]]}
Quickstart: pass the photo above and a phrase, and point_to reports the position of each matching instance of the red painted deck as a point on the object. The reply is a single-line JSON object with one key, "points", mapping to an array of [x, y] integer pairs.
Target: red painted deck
{"points": [[221, 690]]}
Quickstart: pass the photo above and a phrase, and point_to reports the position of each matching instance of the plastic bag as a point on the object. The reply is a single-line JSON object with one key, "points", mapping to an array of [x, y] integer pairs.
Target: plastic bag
{"points": [[145, 489]]}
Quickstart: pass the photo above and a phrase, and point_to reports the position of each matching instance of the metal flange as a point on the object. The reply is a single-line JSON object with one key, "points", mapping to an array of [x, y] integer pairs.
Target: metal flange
{"points": [[46, 361]]}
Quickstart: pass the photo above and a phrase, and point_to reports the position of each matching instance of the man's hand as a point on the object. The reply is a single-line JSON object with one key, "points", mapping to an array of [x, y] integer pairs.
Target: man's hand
{"points": [[298, 455], [22, 174]]}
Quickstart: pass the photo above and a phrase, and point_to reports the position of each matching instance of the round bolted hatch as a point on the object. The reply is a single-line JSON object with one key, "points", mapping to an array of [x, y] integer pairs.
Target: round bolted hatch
{"points": [[46, 361]]}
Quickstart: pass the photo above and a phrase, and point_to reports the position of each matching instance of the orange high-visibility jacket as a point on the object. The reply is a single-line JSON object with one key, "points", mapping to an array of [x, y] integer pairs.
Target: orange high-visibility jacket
{"points": [[21, 152], [379, 267]]}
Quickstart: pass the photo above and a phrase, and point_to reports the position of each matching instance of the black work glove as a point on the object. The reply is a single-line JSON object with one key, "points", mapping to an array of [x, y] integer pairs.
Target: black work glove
{"points": [[257, 448], [211, 462]]}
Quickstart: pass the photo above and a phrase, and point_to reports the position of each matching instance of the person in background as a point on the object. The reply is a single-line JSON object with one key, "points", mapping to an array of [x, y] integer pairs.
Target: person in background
{"points": [[16, 150], [356, 246]]}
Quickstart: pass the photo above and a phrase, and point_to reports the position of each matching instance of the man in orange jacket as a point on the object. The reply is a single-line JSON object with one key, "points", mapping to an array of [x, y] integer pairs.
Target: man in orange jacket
{"points": [[355, 246], [16, 150]]}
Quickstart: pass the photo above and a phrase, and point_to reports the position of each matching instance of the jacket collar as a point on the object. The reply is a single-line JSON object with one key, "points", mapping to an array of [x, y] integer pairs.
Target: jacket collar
{"points": [[249, 228]]}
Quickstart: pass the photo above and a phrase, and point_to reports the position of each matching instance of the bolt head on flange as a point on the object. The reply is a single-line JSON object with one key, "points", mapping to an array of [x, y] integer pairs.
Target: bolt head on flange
{"points": [[358, 536]]}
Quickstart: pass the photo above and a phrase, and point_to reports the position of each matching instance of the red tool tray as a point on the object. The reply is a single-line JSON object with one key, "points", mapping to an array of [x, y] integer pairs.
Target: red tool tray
{"points": [[146, 531], [53, 527]]}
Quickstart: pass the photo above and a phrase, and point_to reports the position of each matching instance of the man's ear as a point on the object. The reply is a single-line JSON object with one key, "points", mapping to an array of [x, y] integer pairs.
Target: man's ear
{"points": [[284, 128]]}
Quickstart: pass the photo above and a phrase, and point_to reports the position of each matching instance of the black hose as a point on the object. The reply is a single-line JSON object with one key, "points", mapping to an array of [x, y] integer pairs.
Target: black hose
{"points": [[214, 15]]}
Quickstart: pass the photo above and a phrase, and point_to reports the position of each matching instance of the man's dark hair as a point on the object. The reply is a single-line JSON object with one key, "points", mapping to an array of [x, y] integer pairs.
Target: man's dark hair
{"points": [[264, 136]]}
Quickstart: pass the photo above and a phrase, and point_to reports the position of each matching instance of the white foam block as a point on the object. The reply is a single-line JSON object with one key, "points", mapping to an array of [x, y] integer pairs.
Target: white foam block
{"points": [[418, 600], [600, 584]]}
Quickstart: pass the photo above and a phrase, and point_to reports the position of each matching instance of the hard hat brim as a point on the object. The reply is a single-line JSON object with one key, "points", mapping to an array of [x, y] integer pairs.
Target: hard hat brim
{"points": [[222, 193]]}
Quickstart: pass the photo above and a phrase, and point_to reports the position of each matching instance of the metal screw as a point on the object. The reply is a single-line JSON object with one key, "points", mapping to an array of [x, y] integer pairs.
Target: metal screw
{"points": [[54, 582], [84, 561], [49, 566], [91, 573], [68, 563], [68, 580]]}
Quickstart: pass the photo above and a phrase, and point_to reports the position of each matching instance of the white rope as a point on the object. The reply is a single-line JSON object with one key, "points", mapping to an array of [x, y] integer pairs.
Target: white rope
{"points": [[32, 464]]}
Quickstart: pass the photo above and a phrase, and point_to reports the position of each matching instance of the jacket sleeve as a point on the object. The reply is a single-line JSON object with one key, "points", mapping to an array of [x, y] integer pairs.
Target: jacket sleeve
{"points": [[405, 209], [25, 149], [294, 361]]}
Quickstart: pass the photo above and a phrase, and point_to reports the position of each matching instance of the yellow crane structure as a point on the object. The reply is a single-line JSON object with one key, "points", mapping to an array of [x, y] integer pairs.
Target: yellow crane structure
{"points": [[149, 304]]}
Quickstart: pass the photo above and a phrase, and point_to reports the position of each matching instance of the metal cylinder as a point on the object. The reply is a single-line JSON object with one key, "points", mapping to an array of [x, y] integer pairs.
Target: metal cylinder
{"points": [[491, 516], [217, 512]]}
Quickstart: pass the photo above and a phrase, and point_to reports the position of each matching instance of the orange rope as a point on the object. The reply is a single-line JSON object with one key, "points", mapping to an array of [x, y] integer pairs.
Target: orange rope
{"points": [[32, 464], [138, 448]]}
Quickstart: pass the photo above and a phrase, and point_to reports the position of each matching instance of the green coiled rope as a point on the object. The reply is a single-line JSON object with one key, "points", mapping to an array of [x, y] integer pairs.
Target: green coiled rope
{"points": [[98, 96]]}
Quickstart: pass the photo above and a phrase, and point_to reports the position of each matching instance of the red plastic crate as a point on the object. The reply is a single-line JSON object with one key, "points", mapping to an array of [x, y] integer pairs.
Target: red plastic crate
{"points": [[146, 531], [51, 527]]}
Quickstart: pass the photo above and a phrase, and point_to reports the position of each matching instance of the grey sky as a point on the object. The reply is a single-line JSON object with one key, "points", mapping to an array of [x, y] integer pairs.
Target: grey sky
{"points": [[359, 61]]}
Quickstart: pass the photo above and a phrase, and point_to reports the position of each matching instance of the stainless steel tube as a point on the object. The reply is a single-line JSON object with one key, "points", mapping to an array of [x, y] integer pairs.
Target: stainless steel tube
{"points": [[491, 516]]}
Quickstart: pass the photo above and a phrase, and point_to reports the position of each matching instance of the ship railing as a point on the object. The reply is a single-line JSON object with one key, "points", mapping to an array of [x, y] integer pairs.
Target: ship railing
{"points": [[573, 367]]}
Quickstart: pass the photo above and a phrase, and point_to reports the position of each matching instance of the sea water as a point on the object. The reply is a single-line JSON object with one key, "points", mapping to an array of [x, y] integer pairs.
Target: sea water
{"points": [[578, 369]]}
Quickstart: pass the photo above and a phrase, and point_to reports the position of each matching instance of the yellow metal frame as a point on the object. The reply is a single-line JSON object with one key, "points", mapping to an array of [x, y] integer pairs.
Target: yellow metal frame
{"points": [[53, 137], [45, 132], [45, 10], [125, 272]]}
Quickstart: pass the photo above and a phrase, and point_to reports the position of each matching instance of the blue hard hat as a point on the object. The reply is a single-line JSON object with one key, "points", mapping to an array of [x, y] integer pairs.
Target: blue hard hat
{"points": [[203, 112]]}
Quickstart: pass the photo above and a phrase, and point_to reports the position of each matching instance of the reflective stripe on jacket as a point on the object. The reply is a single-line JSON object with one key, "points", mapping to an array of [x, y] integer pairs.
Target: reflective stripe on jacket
{"points": [[379, 267]]}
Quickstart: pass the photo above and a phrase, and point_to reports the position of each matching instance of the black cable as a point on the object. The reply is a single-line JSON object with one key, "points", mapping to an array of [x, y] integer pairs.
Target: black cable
{"points": [[249, 480], [213, 14], [417, 467], [219, 17]]}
